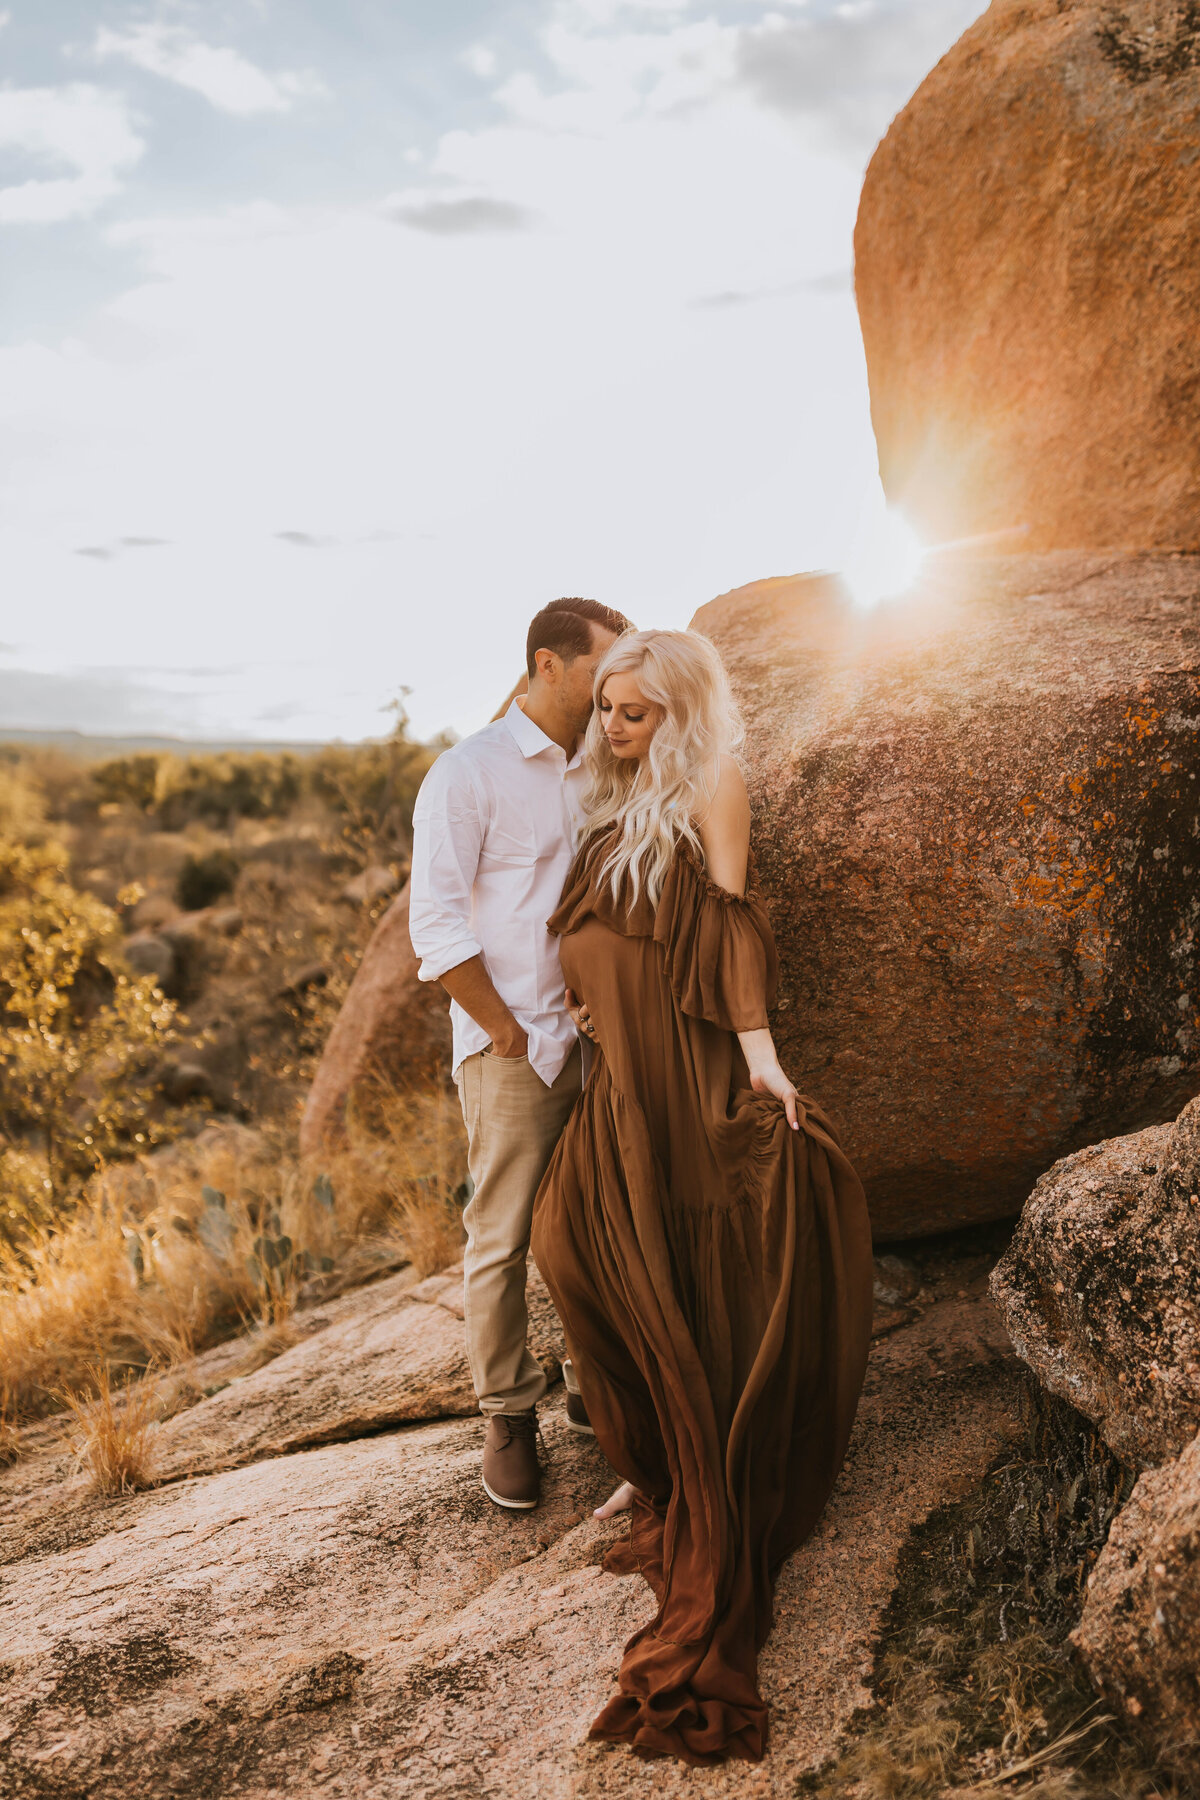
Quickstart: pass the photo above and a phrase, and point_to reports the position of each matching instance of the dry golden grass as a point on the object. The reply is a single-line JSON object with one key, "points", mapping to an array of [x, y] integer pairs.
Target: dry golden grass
{"points": [[914, 1756], [10, 1437], [405, 1161], [184, 1248], [114, 1441]]}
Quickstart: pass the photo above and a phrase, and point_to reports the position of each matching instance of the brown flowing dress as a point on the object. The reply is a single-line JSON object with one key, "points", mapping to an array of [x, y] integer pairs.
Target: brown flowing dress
{"points": [[712, 1270]]}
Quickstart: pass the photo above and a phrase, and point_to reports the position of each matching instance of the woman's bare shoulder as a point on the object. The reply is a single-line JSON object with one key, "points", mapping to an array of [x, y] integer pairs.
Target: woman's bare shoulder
{"points": [[730, 801], [725, 829]]}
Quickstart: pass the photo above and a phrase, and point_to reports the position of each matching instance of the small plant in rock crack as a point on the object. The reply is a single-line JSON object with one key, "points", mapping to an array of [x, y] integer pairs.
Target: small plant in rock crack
{"points": [[114, 1440]]}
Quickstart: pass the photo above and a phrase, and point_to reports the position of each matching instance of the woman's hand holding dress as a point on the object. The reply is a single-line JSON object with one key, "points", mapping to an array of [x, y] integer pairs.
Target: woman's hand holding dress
{"points": [[766, 1076], [725, 837]]}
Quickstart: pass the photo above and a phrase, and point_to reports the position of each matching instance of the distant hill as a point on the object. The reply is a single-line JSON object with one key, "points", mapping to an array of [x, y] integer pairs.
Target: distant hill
{"points": [[98, 748]]}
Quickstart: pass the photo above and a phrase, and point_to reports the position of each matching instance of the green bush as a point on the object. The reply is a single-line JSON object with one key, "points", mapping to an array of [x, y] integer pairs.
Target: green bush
{"points": [[77, 1037], [136, 781], [372, 788], [229, 785]]}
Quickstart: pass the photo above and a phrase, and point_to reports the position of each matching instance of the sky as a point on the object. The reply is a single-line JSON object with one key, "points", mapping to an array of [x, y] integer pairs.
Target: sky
{"points": [[337, 337]]}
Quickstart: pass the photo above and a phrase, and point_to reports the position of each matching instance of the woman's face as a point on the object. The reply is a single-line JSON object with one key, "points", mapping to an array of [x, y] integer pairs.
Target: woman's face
{"points": [[628, 719]]}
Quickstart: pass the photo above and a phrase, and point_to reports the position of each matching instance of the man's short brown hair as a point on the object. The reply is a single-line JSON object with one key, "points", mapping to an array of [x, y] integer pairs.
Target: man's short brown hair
{"points": [[565, 626]]}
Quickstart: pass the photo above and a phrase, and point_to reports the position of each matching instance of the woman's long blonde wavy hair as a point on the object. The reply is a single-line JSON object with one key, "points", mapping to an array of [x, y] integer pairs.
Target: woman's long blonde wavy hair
{"points": [[657, 802]]}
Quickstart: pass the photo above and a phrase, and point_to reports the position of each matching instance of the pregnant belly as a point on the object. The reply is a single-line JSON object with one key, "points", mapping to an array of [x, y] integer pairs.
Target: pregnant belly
{"points": [[602, 966], [620, 981]]}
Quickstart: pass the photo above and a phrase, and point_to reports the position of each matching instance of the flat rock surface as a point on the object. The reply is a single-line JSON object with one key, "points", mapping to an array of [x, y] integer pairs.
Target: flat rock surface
{"points": [[390, 1355], [358, 1618]]}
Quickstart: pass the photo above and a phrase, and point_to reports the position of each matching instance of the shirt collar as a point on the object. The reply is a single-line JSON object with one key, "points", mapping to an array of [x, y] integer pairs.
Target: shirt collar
{"points": [[530, 739]]}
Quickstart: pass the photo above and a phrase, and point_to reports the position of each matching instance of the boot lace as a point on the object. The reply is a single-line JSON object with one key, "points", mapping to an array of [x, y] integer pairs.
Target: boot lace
{"points": [[524, 1425]]}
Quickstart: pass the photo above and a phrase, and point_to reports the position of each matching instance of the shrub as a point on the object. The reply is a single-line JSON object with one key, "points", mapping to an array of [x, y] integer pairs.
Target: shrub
{"points": [[228, 785], [77, 1034], [203, 879], [136, 781], [22, 809], [372, 787]]}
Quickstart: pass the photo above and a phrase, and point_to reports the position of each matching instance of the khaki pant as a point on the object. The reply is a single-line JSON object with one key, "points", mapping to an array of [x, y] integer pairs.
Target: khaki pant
{"points": [[513, 1123]]}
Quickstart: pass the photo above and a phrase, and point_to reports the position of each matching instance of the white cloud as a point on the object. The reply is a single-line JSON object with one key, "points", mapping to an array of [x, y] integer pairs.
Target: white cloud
{"points": [[838, 70], [82, 127], [604, 78], [847, 70], [225, 78], [481, 60], [460, 217], [607, 12]]}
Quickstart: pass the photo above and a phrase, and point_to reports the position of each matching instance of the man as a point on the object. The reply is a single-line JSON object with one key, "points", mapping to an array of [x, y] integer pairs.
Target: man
{"points": [[493, 836]]}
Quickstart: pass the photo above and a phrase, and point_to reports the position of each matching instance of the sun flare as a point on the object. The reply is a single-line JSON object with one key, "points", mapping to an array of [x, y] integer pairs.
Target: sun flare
{"points": [[886, 559]]}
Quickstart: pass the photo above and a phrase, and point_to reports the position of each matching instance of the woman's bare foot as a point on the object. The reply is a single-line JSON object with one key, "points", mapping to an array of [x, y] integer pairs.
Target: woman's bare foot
{"points": [[621, 1501]]}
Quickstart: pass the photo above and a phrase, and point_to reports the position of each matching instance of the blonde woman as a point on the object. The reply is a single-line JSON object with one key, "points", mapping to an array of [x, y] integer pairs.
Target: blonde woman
{"points": [[704, 1238]]}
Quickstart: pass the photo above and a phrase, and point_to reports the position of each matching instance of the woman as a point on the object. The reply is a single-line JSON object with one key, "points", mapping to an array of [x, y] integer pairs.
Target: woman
{"points": [[704, 1238]]}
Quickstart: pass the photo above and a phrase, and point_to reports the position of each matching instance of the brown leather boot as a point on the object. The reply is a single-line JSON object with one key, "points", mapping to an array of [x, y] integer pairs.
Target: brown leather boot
{"points": [[511, 1476], [577, 1418]]}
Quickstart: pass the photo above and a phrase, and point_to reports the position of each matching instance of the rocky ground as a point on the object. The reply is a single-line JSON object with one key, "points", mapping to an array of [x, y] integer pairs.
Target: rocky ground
{"points": [[316, 1595]]}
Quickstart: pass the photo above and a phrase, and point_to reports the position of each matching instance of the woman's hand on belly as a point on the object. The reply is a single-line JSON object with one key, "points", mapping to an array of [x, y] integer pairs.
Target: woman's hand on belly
{"points": [[583, 1019]]}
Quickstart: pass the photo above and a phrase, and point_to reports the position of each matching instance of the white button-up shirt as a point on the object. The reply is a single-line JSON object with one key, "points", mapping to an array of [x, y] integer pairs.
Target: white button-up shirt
{"points": [[494, 831]]}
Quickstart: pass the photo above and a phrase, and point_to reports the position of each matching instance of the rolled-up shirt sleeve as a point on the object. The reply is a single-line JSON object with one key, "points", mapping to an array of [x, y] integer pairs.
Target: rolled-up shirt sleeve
{"points": [[447, 838]]}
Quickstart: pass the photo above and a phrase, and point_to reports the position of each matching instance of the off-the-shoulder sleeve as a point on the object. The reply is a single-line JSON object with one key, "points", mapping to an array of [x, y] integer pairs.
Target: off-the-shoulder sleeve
{"points": [[586, 896], [718, 949]]}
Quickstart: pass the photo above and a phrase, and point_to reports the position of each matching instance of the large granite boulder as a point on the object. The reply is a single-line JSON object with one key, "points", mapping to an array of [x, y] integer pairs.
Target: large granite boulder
{"points": [[1100, 1287], [1140, 1630], [392, 1028], [977, 818], [1027, 267]]}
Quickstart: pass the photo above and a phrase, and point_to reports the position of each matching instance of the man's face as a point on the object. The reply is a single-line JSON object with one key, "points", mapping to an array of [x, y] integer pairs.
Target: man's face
{"points": [[575, 689]]}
